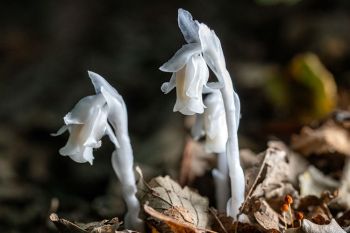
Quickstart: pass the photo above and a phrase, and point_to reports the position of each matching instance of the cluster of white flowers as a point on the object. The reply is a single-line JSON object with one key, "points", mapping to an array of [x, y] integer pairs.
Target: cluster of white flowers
{"points": [[221, 108], [105, 114], [94, 117]]}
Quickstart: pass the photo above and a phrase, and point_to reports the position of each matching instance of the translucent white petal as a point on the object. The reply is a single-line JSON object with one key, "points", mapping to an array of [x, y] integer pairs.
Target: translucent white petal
{"points": [[87, 155], [82, 109], [215, 123], [95, 127], [185, 104], [60, 131], [98, 81], [197, 77], [212, 50], [188, 26], [168, 86], [117, 111], [181, 57], [78, 157], [190, 106], [74, 144]]}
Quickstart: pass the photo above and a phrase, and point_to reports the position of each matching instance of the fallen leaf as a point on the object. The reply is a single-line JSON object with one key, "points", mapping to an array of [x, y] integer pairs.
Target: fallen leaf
{"points": [[225, 224], [316, 208], [310, 227], [270, 177], [176, 225], [328, 138], [314, 182], [266, 216], [344, 190], [182, 205], [105, 226], [267, 184], [344, 220], [195, 161]]}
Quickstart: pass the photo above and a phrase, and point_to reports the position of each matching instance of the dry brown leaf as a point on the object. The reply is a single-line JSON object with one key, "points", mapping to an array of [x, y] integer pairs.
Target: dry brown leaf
{"points": [[195, 161], [310, 227], [248, 158], [175, 225], [316, 208], [297, 163], [270, 178], [266, 216], [268, 182], [180, 204], [226, 224], [314, 182], [328, 138], [105, 226], [344, 220], [344, 190]]}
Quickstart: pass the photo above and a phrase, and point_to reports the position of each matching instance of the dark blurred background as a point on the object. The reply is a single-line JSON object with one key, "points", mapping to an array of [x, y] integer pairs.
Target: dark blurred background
{"points": [[46, 48]]}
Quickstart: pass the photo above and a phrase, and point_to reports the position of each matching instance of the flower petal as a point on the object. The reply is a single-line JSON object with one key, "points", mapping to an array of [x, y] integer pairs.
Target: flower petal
{"points": [[98, 81], [74, 144], [84, 156], [212, 50], [210, 87], [168, 86], [82, 109], [215, 123], [60, 131], [117, 115], [87, 155], [190, 106], [181, 57], [188, 26], [95, 127], [197, 77]]}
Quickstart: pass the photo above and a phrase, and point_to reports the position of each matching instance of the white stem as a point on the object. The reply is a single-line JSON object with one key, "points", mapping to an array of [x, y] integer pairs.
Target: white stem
{"points": [[222, 186], [122, 162], [232, 151]]}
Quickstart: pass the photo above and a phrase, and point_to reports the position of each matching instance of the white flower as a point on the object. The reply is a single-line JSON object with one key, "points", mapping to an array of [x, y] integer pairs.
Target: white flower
{"points": [[87, 124], [190, 72], [212, 50], [212, 124], [93, 117], [215, 126]]}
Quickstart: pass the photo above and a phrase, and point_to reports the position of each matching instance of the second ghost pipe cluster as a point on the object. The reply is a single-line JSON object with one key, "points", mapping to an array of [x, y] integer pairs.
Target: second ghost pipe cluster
{"points": [[217, 118]]}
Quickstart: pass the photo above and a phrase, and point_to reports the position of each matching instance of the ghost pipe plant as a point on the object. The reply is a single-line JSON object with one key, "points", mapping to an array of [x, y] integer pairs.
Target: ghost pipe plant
{"points": [[190, 76], [93, 117], [212, 125]]}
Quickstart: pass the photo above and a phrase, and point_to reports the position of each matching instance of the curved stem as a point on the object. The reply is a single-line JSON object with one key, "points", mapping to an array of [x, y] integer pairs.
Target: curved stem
{"points": [[232, 150], [222, 187], [122, 162]]}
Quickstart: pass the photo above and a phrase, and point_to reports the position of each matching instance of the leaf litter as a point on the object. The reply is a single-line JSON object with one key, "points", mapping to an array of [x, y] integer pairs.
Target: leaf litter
{"points": [[324, 199]]}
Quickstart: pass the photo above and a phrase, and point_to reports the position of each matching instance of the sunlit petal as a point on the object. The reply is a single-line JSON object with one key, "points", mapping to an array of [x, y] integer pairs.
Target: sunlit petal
{"points": [[181, 57]]}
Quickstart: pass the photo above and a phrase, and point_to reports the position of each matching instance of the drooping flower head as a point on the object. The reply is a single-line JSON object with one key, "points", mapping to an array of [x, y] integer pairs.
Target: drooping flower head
{"points": [[93, 117], [190, 72], [87, 124], [190, 77]]}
